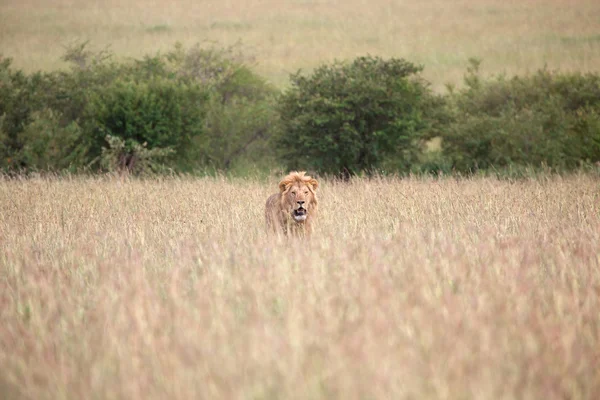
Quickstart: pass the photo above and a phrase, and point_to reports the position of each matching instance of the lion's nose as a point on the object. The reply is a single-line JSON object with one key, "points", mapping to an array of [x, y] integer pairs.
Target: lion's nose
{"points": [[300, 202]]}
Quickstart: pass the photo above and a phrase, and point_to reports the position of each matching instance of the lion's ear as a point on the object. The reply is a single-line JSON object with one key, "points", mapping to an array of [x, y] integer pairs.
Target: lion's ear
{"points": [[282, 186], [314, 184]]}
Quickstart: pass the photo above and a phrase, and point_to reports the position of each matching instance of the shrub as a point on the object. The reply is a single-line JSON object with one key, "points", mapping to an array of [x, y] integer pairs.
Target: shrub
{"points": [[159, 112], [546, 119], [132, 157], [240, 114], [349, 117], [204, 104], [48, 145], [240, 132], [20, 97]]}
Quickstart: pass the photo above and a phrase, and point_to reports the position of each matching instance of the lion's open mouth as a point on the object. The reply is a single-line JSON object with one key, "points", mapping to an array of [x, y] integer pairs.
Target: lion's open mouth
{"points": [[299, 214]]}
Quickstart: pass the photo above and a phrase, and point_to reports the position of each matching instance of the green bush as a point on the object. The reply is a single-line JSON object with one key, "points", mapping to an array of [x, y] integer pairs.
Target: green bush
{"points": [[48, 145], [240, 114], [241, 120], [204, 108], [204, 104], [546, 119], [159, 112], [352, 117], [131, 156], [20, 96], [240, 133]]}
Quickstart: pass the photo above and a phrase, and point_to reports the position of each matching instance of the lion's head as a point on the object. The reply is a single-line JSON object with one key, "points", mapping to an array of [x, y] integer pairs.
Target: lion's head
{"points": [[293, 210], [298, 195]]}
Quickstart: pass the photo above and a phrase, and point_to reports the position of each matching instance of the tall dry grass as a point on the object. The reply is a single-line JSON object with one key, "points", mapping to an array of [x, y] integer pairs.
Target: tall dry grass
{"points": [[414, 288], [284, 35]]}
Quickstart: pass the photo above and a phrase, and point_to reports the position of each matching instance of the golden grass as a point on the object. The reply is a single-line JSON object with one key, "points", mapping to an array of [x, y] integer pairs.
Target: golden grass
{"points": [[284, 35], [169, 288]]}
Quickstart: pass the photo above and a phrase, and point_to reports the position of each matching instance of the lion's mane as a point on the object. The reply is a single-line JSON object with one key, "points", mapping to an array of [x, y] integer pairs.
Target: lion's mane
{"points": [[294, 209]]}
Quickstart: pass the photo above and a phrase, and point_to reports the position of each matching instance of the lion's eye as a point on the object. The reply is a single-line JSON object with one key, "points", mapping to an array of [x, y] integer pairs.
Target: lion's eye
{"points": [[294, 193]]}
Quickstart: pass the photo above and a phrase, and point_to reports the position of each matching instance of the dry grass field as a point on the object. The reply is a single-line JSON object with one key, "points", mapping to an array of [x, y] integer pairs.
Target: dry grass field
{"points": [[284, 35], [417, 288], [410, 289]]}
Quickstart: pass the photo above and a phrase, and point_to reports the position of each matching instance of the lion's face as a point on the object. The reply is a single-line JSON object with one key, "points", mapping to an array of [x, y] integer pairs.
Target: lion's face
{"points": [[299, 199], [294, 208]]}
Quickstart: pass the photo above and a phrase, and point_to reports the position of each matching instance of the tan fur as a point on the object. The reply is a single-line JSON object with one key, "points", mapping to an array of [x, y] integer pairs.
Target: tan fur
{"points": [[282, 209]]}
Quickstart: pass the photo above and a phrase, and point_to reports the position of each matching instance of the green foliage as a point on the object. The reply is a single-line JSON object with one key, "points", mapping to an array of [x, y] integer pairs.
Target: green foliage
{"points": [[49, 145], [546, 119], [432, 162], [132, 157], [159, 112], [351, 117], [189, 101], [240, 115], [241, 120], [19, 99], [203, 108]]}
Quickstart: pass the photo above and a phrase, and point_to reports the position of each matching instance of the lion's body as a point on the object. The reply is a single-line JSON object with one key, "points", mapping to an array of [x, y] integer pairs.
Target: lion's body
{"points": [[293, 210]]}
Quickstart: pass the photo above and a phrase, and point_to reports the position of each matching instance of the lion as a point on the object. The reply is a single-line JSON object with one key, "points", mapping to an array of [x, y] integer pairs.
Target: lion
{"points": [[293, 210]]}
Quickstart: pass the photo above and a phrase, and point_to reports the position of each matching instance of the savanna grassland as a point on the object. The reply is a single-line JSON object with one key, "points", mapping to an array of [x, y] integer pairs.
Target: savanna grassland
{"points": [[410, 288], [417, 288], [515, 37]]}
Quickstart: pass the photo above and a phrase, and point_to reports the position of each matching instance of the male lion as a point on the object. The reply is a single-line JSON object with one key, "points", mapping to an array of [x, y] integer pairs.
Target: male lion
{"points": [[294, 208]]}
